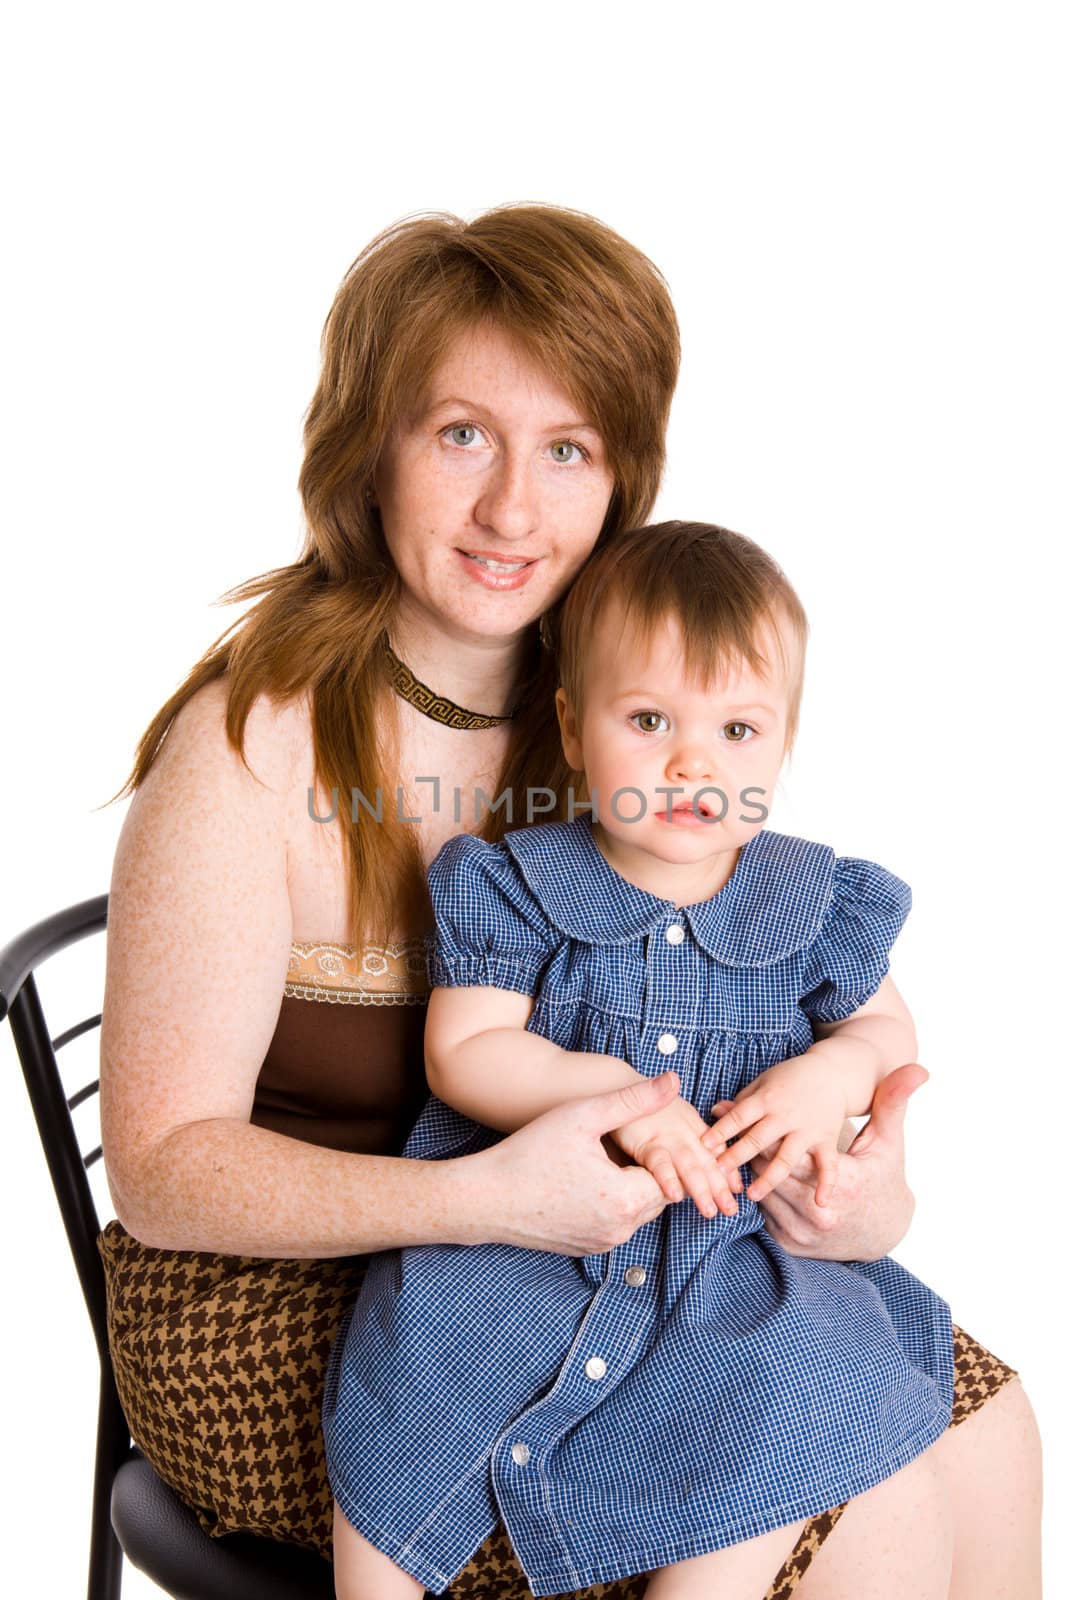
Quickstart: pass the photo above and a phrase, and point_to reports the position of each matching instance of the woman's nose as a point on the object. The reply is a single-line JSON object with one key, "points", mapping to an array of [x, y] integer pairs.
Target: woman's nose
{"points": [[507, 503]]}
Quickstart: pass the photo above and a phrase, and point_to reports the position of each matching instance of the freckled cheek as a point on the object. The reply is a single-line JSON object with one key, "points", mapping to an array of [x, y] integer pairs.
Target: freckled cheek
{"points": [[430, 505], [580, 506]]}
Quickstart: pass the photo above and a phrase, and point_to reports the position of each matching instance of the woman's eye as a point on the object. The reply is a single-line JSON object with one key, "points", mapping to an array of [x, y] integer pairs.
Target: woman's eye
{"points": [[649, 721], [463, 434], [737, 732], [565, 451]]}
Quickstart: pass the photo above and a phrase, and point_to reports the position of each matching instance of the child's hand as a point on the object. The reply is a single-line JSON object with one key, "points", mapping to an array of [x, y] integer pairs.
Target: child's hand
{"points": [[798, 1102], [668, 1144]]}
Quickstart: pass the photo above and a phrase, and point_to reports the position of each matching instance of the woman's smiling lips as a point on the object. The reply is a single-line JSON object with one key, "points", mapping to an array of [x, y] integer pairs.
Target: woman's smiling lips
{"points": [[498, 571]]}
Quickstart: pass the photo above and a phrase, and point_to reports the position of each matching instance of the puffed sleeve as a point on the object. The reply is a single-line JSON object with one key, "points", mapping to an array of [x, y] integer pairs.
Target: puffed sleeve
{"points": [[490, 930], [850, 956]]}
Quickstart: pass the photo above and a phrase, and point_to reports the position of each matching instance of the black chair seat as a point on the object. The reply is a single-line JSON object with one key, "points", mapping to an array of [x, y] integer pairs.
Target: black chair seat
{"points": [[161, 1535]]}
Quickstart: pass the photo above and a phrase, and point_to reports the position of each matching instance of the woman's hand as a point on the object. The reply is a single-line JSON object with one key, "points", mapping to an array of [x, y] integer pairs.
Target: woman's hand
{"points": [[553, 1186], [668, 1145], [872, 1204]]}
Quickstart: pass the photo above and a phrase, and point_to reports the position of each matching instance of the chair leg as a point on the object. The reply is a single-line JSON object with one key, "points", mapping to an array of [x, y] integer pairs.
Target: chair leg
{"points": [[112, 1449]]}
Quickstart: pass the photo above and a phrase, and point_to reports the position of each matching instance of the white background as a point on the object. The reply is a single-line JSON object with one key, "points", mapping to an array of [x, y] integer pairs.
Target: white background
{"points": [[859, 212]]}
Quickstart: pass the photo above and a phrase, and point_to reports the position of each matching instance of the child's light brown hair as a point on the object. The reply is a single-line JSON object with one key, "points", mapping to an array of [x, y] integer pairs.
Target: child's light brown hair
{"points": [[724, 591]]}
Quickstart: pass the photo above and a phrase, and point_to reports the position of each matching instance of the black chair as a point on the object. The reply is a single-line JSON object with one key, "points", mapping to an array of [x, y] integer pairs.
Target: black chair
{"points": [[134, 1513]]}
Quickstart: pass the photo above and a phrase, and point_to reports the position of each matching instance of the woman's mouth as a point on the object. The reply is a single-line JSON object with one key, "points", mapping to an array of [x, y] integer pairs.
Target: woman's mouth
{"points": [[495, 572]]}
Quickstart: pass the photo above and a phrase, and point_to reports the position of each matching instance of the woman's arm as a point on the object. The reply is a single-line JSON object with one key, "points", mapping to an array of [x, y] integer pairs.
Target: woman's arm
{"points": [[198, 944]]}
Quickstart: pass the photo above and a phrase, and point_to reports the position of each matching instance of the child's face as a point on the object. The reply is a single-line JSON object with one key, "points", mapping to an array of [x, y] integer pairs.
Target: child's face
{"points": [[647, 725]]}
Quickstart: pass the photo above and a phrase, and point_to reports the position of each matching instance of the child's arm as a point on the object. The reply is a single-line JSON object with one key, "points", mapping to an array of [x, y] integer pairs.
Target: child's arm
{"points": [[873, 1041], [481, 1060], [803, 1102]]}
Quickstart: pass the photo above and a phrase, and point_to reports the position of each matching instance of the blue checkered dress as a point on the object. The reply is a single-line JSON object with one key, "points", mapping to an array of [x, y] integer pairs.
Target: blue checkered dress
{"points": [[698, 1385]]}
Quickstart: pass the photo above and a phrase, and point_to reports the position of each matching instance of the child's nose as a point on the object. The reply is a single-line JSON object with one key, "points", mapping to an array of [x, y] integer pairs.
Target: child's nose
{"points": [[690, 763]]}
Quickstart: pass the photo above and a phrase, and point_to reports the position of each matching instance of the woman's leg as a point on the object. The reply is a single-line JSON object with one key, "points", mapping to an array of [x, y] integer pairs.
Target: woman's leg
{"points": [[974, 1502], [992, 1465], [741, 1572], [361, 1572], [893, 1541]]}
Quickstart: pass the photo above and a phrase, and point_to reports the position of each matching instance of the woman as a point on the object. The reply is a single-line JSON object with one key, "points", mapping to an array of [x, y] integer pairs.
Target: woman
{"points": [[493, 401]]}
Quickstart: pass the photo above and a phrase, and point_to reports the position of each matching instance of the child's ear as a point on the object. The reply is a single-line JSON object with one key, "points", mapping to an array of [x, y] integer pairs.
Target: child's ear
{"points": [[568, 732]]}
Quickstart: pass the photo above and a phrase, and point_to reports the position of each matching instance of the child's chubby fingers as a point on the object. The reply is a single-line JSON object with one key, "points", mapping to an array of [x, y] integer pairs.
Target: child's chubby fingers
{"points": [[791, 1151], [765, 1133], [731, 1173], [713, 1140], [657, 1160], [733, 1117], [705, 1181], [825, 1159]]}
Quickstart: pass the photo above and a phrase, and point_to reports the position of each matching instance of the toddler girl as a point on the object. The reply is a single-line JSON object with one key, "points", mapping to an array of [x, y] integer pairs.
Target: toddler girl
{"points": [[685, 1402]]}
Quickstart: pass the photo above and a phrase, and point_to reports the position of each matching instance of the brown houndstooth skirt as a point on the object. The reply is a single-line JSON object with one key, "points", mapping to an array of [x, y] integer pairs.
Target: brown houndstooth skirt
{"points": [[220, 1362]]}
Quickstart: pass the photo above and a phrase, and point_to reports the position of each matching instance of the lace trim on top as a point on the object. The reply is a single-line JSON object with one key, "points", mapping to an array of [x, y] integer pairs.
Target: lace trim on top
{"points": [[368, 975]]}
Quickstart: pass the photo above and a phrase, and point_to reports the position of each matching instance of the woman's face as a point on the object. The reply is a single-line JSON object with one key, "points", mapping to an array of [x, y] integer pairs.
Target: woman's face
{"points": [[493, 497]]}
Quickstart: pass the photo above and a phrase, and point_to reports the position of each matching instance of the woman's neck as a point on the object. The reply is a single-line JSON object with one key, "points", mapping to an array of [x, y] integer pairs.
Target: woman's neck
{"points": [[480, 674]]}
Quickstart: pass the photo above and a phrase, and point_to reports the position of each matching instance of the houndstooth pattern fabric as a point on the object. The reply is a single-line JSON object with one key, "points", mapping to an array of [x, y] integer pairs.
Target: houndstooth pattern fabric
{"points": [[237, 1437]]}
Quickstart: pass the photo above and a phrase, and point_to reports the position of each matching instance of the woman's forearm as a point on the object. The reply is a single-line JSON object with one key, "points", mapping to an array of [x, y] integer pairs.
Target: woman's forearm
{"points": [[222, 1185], [227, 1186], [505, 1077]]}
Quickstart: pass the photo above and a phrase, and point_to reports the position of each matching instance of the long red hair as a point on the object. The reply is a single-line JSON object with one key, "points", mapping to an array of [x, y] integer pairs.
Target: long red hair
{"points": [[595, 314]]}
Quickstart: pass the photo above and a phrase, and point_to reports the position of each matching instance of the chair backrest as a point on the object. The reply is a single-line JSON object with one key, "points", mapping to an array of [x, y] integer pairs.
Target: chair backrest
{"points": [[68, 1166], [52, 1107], [161, 1535]]}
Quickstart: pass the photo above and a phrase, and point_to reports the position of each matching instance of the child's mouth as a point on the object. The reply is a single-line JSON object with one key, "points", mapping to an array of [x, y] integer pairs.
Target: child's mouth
{"points": [[686, 816]]}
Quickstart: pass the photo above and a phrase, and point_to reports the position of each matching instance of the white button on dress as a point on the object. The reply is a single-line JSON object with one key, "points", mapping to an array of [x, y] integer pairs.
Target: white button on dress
{"points": [[595, 1368], [634, 1276], [666, 1044], [520, 1454], [675, 933]]}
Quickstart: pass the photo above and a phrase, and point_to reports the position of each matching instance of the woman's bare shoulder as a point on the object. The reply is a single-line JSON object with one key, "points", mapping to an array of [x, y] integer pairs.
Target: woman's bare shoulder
{"points": [[197, 750], [199, 931], [202, 858]]}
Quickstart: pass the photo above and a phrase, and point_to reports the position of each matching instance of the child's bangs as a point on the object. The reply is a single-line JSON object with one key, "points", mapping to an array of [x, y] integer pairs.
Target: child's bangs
{"points": [[733, 604], [718, 640]]}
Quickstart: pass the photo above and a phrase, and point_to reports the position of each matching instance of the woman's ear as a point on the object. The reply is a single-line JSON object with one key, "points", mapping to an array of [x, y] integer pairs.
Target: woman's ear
{"points": [[568, 732]]}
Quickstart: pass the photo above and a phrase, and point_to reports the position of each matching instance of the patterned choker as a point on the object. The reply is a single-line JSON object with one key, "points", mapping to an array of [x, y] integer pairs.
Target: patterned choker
{"points": [[435, 706]]}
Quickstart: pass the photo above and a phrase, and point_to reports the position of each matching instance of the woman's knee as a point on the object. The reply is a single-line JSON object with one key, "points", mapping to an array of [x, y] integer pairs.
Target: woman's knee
{"points": [[896, 1539], [994, 1451], [991, 1463]]}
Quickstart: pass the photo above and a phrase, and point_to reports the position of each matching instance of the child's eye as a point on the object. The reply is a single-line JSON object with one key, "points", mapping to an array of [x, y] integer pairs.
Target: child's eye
{"points": [[566, 451], [737, 732], [464, 434], [649, 721]]}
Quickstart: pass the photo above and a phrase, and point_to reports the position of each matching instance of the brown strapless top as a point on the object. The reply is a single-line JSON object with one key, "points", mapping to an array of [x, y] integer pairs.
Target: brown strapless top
{"points": [[345, 1065]]}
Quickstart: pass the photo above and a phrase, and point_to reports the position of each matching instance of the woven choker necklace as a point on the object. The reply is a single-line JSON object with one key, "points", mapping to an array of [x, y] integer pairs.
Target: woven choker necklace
{"points": [[435, 706]]}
